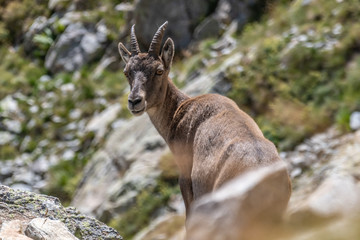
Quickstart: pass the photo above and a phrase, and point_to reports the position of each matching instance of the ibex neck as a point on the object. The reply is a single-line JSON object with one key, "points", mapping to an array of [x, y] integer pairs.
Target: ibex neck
{"points": [[162, 115]]}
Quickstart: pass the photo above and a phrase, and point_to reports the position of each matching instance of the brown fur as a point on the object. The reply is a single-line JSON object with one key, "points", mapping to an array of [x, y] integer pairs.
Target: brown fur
{"points": [[212, 140]]}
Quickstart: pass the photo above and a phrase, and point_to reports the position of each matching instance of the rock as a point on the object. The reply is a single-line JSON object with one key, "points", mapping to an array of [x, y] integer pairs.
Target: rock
{"points": [[13, 126], [6, 170], [57, 5], [100, 122], [21, 186], [183, 16], [39, 24], [6, 137], [25, 206], [75, 47], [12, 230], [23, 175], [9, 106], [41, 165], [227, 43], [165, 227], [210, 27], [355, 120], [337, 196], [126, 165], [124, 7], [325, 199], [99, 174], [238, 209], [47, 229], [313, 150]]}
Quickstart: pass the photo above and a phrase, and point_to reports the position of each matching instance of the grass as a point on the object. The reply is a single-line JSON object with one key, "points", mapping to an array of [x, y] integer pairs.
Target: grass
{"points": [[298, 70]]}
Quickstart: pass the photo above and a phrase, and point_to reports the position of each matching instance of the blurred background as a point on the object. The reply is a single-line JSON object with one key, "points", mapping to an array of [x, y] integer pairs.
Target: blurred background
{"points": [[293, 65]]}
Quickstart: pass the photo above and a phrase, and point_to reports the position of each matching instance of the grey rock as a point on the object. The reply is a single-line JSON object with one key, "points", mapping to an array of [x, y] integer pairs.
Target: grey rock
{"points": [[6, 171], [21, 186], [74, 48], [57, 4], [227, 43], [337, 196], [39, 24], [47, 229], [6, 137], [355, 120], [23, 175], [66, 55], [100, 122], [236, 210], [9, 106], [183, 16], [13, 126], [16, 204], [90, 44], [100, 173], [41, 165], [124, 167], [124, 7]]}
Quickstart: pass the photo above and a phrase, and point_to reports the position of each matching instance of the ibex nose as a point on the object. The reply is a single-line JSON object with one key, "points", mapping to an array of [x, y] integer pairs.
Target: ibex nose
{"points": [[134, 102]]}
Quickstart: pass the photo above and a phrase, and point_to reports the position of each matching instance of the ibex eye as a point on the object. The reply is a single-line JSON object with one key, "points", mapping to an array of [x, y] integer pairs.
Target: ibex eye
{"points": [[159, 72]]}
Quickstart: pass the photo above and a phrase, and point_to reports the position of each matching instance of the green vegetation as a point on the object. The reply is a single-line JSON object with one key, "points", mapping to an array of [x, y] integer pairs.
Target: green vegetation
{"points": [[65, 177], [16, 16], [147, 202], [297, 75]]}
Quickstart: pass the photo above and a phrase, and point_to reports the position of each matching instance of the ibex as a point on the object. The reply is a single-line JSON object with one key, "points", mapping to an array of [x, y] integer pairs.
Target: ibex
{"points": [[212, 140]]}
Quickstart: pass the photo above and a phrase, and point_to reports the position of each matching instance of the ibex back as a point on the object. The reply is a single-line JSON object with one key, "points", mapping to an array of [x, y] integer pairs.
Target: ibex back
{"points": [[212, 140]]}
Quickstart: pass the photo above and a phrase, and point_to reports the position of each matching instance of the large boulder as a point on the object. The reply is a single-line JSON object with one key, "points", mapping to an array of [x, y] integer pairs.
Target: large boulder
{"points": [[126, 165], [242, 207], [26, 215], [183, 17], [337, 196], [76, 47]]}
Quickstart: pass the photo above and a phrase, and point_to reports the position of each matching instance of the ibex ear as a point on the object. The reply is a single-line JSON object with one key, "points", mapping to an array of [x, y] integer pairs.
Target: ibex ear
{"points": [[167, 52], [124, 53]]}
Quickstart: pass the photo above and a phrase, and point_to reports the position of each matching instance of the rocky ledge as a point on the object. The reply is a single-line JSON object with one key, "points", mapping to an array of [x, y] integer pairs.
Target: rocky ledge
{"points": [[27, 215]]}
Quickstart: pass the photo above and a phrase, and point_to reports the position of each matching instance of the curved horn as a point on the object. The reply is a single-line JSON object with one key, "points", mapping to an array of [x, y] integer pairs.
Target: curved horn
{"points": [[155, 45], [134, 43]]}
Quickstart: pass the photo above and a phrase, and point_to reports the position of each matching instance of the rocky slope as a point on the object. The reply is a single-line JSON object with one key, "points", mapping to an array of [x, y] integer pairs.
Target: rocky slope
{"points": [[65, 130], [324, 203]]}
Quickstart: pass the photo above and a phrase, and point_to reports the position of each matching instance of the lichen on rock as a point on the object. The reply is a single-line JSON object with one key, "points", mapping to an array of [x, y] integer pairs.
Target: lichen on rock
{"points": [[26, 206]]}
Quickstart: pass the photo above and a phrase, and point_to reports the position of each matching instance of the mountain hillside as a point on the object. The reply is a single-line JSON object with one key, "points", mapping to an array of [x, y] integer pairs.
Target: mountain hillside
{"points": [[65, 129]]}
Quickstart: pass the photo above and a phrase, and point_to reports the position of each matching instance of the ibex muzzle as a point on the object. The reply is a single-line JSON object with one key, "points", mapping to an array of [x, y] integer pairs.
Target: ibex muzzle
{"points": [[212, 140], [136, 100]]}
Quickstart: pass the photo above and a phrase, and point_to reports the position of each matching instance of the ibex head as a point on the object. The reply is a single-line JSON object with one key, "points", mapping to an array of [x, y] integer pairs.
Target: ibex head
{"points": [[147, 73]]}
